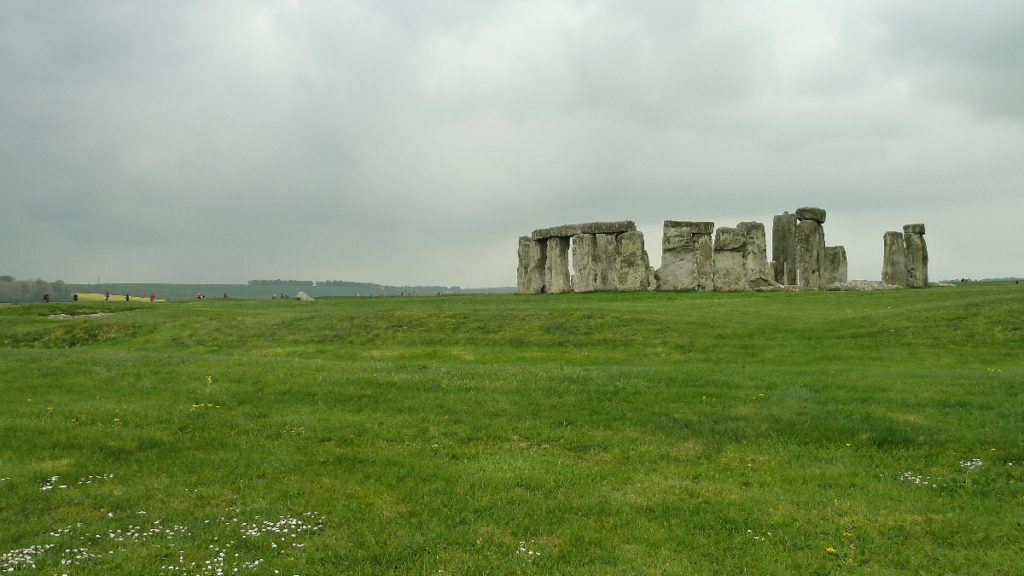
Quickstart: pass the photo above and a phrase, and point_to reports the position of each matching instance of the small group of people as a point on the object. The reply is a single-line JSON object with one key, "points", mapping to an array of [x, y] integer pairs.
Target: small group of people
{"points": [[106, 297]]}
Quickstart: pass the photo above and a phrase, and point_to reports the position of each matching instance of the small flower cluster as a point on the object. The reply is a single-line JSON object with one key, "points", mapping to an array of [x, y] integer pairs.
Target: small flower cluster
{"points": [[22, 557], [919, 480], [525, 551], [757, 537], [53, 482], [282, 531], [73, 556], [971, 464], [287, 528], [81, 545], [5, 479], [135, 533]]}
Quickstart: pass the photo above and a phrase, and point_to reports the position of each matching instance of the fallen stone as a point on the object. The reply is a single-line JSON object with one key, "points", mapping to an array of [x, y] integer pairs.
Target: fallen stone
{"points": [[808, 213], [304, 297], [569, 230]]}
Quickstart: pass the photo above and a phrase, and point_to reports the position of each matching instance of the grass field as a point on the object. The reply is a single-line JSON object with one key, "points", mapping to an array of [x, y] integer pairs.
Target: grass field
{"points": [[648, 433]]}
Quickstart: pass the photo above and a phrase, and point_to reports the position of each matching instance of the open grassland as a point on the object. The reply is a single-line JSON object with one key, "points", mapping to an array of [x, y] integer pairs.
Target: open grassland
{"points": [[651, 433]]}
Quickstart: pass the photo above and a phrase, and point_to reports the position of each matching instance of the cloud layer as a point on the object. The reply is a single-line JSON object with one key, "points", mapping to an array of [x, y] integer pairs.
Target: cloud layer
{"points": [[407, 143]]}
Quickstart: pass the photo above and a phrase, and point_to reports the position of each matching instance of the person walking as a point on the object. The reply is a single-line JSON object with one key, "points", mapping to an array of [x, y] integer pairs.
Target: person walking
{"points": [[152, 296], [106, 296], [127, 298], [46, 297]]}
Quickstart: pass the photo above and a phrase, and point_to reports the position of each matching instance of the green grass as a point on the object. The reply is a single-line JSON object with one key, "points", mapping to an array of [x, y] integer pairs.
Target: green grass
{"points": [[648, 433]]}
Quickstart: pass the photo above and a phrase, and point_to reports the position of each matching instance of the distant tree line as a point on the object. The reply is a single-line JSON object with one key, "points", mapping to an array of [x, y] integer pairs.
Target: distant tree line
{"points": [[23, 291], [280, 282]]}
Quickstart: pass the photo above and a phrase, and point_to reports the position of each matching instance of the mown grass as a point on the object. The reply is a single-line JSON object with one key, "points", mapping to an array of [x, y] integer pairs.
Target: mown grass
{"points": [[777, 433]]}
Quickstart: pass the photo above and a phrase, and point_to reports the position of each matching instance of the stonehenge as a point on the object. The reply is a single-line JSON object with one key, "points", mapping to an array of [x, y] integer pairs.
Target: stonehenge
{"points": [[610, 256], [905, 257], [605, 256]]}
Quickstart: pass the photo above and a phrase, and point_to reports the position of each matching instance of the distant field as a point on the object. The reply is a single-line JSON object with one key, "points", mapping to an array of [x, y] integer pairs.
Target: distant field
{"points": [[270, 291], [644, 433]]}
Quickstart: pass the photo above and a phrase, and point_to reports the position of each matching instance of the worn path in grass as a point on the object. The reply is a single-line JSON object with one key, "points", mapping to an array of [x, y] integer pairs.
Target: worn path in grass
{"points": [[778, 433]]}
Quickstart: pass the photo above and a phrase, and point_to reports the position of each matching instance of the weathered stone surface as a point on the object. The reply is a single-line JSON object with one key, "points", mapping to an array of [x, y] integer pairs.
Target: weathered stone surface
{"points": [[894, 259], [532, 257], [594, 259], [569, 230], [917, 259], [687, 259], [809, 213], [556, 266], [759, 273], [729, 269], [632, 266], [678, 234], [784, 248], [584, 277], [835, 269], [810, 253], [729, 239], [913, 229], [304, 297]]}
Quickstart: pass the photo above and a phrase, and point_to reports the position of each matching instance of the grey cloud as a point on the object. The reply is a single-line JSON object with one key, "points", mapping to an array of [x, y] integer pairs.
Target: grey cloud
{"points": [[391, 141]]}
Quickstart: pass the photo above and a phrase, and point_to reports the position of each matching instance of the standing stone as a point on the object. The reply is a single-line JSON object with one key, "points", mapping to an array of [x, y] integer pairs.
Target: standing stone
{"points": [[632, 265], [759, 273], [532, 257], [784, 248], [606, 256], [556, 266], [584, 277], [687, 256], [894, 259], [594, 258], [916, 255], [730, 269], [835, 270], [810, 253]]}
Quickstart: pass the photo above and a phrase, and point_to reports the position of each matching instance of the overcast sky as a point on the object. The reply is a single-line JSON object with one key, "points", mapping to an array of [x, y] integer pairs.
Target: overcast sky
{"points": [[412, 142]]}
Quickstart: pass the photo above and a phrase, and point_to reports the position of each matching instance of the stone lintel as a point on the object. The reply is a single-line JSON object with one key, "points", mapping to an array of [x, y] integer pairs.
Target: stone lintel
{"points": [[691, 226], [913, 229], [568, 230], [809, 213]]}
